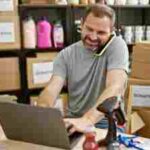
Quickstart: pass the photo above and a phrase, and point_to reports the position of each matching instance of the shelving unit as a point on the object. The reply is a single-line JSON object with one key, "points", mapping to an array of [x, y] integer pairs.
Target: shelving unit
{"points": [[52, 13], [125, 15]]}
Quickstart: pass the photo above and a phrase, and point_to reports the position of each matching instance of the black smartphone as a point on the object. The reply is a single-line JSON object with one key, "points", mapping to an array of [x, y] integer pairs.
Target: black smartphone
{"points": [[101, 50]]}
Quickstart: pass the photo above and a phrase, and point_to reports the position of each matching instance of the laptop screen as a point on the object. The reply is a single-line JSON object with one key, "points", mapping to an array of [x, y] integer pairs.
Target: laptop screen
{"points": [[32, 124]]}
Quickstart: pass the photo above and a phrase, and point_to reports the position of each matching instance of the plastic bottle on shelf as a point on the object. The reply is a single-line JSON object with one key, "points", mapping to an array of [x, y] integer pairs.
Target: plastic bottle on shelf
{"points": [[44, 29], [139, 33], [29, 33], [132, 2], [73, 2], [120, 2], [128, 34], [110, 2], [61, 2], [90, 142], [143, 2], [58, 35]]}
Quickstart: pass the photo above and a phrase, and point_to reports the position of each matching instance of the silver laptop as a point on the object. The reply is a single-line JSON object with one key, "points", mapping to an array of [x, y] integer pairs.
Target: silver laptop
{"points": [[36, 125]]}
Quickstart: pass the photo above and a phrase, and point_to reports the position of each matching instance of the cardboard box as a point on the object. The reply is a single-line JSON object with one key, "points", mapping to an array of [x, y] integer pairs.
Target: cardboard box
{"points": [[131, 82], [144, 114], [8, 7], [140, 67], [9, 33], [134, 81], [9, 74], [136, 123], [141, 53], [63, 96], [50, 55], [39, 70], [38, 1], [128, 94], [140, 70], [129, 99], [140, 96]]}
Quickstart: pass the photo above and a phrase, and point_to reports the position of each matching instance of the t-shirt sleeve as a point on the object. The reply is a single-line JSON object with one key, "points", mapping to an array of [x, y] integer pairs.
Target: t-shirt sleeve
{"points": [[60, 67], [118, 55]]}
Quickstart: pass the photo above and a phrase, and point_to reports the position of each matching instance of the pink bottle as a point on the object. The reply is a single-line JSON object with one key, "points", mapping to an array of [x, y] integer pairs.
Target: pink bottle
{"points": [[58, 35], [44, 30]]}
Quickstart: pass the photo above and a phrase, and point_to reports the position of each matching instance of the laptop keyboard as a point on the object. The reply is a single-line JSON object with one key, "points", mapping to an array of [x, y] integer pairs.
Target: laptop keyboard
{"points": [[73, 137]]}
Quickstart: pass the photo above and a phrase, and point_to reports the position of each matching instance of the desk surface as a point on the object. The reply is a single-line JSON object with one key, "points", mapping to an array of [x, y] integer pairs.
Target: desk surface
{"points": [[16, 145], [6, 144]]}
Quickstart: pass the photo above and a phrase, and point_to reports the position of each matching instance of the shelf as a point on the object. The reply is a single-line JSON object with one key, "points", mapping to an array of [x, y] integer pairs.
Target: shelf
{"points": [[42, 6], [80, 6], [38, 90], [35, 90], [131, 6], [41, 50], [10, 92], [9, 53]]}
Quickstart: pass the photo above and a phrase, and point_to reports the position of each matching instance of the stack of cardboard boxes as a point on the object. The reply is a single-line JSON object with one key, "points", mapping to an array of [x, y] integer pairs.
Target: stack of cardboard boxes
{"points": [[9, 25], [9, 40], [139, 88]]}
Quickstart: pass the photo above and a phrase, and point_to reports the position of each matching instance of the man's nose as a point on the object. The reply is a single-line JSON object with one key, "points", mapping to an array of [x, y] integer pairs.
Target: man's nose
{"points": [[94, 36]]}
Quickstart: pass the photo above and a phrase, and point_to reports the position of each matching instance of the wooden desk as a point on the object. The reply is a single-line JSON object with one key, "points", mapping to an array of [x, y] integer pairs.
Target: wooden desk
{"points": [[16, 145], [6, 144]]}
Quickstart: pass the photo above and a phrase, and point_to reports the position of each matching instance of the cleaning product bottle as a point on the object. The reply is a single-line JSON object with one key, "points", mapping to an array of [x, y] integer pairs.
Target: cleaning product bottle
{"points": [[73, 2], [44, 29], [29, 33], [58, 35]]}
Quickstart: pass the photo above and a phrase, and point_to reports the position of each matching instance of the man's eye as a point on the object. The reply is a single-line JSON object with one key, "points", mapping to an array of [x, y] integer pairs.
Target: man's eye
{"points": [[89, 29], [101, 33]]}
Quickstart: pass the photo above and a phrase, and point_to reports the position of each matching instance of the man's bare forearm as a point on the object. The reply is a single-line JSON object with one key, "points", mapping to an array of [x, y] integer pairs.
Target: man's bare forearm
{"points": [[93, 114], [46, 99], [115, 86], [49, 95]]}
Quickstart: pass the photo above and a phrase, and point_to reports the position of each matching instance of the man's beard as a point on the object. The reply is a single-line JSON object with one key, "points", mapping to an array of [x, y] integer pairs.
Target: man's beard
{"points": [[97, 43]]}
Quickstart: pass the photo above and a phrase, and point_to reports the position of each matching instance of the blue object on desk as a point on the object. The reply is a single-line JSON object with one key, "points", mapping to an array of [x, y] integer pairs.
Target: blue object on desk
{"points": [[128, 141]]}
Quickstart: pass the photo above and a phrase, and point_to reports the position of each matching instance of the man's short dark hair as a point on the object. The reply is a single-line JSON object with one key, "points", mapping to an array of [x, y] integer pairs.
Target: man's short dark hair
{"points": [[101, 10]]}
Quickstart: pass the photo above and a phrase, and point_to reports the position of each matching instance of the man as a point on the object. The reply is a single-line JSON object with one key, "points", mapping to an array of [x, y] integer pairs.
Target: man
{"points": [[92, 69]]}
